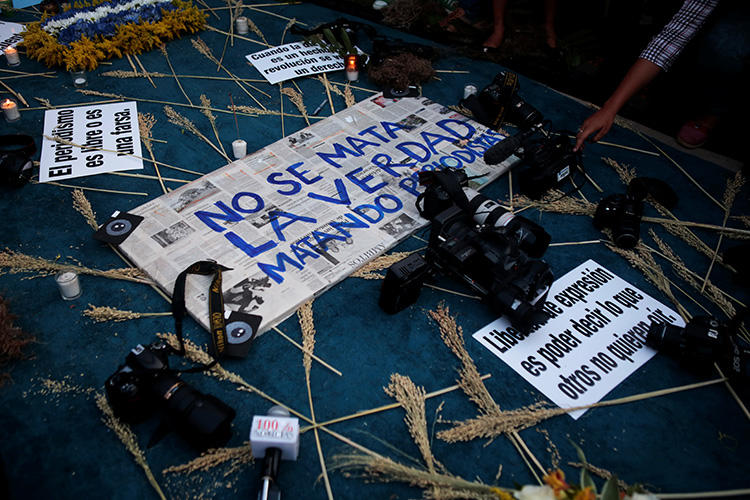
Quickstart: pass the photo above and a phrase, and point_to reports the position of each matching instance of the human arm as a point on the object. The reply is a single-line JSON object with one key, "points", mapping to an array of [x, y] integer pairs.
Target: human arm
{"points": [[637, 77], [658, 55]]}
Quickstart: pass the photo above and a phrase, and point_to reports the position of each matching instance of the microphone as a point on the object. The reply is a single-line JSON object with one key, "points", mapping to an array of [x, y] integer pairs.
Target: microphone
{"points": [[503, 149], [275, 437]]}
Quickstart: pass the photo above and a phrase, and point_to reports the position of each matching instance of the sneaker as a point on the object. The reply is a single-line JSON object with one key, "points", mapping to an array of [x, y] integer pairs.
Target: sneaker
{"points": [[695, 133]]}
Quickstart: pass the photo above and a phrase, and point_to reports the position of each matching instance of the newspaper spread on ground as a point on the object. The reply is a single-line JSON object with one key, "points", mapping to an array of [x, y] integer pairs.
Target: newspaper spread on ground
{"points": [[301, 214]]}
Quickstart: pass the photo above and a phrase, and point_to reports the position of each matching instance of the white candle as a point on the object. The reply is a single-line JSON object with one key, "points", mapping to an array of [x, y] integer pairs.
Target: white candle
{"points": [[79, 78], [11, 54], [239, 147], [241, 25], [70, 287], [10, 110]]}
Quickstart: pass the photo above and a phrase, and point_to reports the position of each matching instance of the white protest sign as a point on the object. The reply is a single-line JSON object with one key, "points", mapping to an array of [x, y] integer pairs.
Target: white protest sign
{"points": [[112, 127], [10, 34], [594, 340], [289, 61]]}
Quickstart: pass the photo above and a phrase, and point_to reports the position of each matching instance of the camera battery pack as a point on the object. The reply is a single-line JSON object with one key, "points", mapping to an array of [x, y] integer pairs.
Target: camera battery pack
{"points": [[402, 283]]}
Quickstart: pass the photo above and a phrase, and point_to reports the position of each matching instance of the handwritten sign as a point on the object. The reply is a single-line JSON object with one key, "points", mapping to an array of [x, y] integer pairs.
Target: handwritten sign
{"points": [[596, 337]]}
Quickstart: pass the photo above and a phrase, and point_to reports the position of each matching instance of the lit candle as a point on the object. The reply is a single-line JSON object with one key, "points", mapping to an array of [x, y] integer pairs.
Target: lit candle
{"points": [[241, 25], [10, 110], [239, 147], [11, 54], [352, 67], [70, 287], [79, 78]]}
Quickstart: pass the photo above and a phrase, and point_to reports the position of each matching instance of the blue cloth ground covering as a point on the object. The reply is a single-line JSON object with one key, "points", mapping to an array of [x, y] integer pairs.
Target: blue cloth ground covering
{"points": [[55, 445]]}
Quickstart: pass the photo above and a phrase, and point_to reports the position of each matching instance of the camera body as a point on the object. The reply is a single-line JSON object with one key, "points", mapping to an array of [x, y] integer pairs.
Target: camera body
{"points": [[622, 214], [702, 342], [145, 384], [477, 241], [500, 100]]}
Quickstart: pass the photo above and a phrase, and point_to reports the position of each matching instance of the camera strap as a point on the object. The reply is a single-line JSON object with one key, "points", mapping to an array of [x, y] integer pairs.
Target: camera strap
{"points": [[215, 304], [509, 88]]}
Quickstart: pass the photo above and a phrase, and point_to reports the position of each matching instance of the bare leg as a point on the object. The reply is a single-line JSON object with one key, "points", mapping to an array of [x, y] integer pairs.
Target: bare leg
{"points": [[550, 9], [498, 11]]}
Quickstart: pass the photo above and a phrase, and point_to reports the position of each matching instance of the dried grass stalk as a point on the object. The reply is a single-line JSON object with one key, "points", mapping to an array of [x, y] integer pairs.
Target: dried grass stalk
{"points": [[305, 315], [254, 28], [642, 260], [383, 262], [296, 99], [101, 314], [291, 23], [383, 469], [625, 173], [253, 111], [184, 123], [206, 110], [469, 379], [44, 102], [711, 291], [83, 207], [146, 123], [17, 262], [125, 434], [349, 96], [745, 219], [555, 201], [733, 187], [602, 473], [238, 456], [201, 47], [412, 399]]}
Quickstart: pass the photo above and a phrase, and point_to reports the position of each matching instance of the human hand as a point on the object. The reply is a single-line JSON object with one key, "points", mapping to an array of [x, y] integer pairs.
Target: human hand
{"points": [[600, 122]]}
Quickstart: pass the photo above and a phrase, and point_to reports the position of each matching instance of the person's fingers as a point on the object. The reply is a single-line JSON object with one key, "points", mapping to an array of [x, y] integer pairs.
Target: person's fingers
{"points": [[583, 132], [602, 132]]}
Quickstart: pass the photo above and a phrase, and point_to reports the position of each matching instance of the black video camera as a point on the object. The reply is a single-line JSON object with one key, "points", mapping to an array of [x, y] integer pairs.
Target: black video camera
{"points": [[703, 341], [145, 384], [474, 239], [546, 160]]}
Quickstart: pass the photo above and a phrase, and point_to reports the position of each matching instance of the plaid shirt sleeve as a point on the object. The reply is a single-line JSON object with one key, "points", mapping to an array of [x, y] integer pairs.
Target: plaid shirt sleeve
{"points": [[667, 45]]}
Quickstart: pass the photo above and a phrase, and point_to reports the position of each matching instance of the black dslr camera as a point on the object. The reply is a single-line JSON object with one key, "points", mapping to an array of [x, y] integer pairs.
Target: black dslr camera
{"points": [[702, 342], [622, 212], [476, 240], [499, 101], [145, 384]]}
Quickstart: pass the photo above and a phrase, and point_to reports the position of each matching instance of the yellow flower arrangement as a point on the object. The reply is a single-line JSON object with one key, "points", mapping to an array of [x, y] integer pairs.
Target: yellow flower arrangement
{"points": [[87, 52]]}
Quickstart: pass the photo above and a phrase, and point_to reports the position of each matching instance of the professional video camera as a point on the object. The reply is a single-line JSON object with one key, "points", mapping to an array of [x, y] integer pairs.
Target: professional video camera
{"points": [[622, 213], [145, 384], [476, 240], [546, 159], [702, 342]]}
